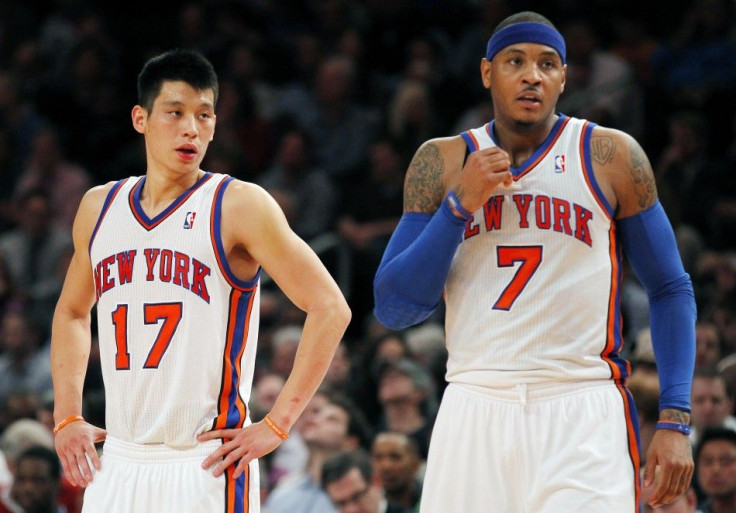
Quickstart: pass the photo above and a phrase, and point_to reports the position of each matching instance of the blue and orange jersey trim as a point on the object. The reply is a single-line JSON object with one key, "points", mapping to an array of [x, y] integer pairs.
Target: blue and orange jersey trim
{"points": [[216, 236], [633, 440], [134, 199], [231, 408], [536, 157], [587, 164], [237, 491], [112, 193]]}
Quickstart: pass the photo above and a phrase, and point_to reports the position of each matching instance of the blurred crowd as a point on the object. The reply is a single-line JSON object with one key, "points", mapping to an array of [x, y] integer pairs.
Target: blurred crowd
{"points": [[323, 103]]}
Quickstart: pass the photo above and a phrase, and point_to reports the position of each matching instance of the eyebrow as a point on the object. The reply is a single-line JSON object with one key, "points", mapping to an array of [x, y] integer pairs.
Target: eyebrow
{"points": [[177, 103]]}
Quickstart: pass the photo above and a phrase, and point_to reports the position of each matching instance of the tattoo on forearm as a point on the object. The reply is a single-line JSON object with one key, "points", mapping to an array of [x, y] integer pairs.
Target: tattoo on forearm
{"points": [[602, 149], [671, 415], [641, 172], [423, 188]]}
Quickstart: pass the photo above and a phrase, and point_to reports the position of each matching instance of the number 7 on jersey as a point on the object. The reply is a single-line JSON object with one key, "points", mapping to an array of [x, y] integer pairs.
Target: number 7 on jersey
{"points": [[530, 258]]}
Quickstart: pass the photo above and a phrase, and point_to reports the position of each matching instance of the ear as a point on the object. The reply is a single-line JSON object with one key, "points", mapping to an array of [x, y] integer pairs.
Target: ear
{"points": [[564, 78], [139, 117], [485, 72]]}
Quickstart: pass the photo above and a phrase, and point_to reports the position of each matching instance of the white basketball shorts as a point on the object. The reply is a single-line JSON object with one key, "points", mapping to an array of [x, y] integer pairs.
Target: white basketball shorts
{"points": [[140, 478], [543, 448]]}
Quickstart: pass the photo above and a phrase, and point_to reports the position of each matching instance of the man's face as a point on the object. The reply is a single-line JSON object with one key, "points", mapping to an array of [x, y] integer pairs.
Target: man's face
{"points": [[717, 468], [525, 80], [397, 390], [708, 345], [394, 462], [34, 489], [710, 402], [328, 429], [179, 127], [352, 494]]}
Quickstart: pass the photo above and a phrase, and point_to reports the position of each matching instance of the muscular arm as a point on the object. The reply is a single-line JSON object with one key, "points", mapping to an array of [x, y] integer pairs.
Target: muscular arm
{"points": [[257, 225], [256, 233], [70, 344], [410, 279], [628, 182]]}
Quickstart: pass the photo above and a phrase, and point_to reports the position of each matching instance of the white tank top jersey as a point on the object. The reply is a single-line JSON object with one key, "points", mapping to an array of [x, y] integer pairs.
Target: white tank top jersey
{"points": [[533, 290], [177, 328]]}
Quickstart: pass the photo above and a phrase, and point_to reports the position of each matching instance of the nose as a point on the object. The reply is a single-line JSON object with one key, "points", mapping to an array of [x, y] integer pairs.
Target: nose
{"points": [[189, 126], [532, 74]]}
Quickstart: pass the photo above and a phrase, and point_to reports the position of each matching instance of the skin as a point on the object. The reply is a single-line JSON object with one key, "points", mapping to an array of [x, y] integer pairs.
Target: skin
{"points": [[526, 81], [396, 465], [346, 492], [34, 488], [183, 118]]}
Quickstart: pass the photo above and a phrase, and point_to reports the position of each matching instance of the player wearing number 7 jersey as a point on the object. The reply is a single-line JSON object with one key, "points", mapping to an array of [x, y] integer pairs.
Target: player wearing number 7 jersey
{"points": [[172, 260], [521, 225]]}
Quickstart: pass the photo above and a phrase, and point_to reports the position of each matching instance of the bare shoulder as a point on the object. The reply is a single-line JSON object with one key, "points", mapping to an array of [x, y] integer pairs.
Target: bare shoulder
{"points": [[242, 198], [91, 206], [433, 165], [622, 166]]}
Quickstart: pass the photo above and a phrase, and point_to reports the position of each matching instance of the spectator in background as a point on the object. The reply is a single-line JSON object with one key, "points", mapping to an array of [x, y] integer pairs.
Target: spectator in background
{"points": [[284, 344], [33, 252], [37, 479], [406, 395], [340, 128], [304, 192], [712, 406], [48, 170], [716, 470], [24, 366], [338, 425], [707, 344], [686, 503], [347, 478], [396, 463]]}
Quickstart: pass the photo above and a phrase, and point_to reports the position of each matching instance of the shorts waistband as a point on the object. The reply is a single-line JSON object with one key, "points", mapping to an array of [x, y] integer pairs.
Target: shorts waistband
{"points": [[120, 449], [532, 392]]}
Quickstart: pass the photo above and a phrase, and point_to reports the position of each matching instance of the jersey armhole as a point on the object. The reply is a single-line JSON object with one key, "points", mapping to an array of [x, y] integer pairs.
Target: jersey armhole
{"points": [[589, 175], [112, 193], [218, 247]]}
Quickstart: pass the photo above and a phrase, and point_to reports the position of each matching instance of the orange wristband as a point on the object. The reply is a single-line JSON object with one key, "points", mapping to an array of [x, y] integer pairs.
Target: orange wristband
{"points": [[280, 432], [64, 423]]}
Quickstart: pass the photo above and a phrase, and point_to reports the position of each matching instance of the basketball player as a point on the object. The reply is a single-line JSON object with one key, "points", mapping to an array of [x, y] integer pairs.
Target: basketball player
{"points": [[172, 260], [521, 223]]}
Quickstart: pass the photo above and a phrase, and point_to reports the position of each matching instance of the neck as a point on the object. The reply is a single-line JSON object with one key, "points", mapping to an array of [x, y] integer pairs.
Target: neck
{"points": [[162, 188], [317, 457], [404, 497], [519, 139]]}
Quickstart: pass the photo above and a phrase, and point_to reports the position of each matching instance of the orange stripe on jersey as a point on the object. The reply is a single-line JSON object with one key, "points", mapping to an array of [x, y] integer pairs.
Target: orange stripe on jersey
{"points": [[231, 411], [475, 141], [612, 306], [237, 490]]}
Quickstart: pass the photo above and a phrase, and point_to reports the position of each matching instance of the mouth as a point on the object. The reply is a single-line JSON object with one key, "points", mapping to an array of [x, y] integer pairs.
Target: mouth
{"points": [[529, 99], [187, 151]]}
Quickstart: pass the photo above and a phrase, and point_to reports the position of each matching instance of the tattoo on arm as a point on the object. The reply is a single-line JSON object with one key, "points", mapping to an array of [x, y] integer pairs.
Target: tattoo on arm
{"points": [[642, 175], [423, 189], [672, 415], [602, 149]]}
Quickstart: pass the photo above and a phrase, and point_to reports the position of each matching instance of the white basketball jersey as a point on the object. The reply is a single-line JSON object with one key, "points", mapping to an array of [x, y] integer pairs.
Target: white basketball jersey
{"points": [[177, 328], [532, 294]]}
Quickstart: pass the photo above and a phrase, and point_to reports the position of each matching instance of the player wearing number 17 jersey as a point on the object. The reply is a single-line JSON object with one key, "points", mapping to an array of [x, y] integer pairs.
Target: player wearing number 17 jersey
{"points": [[521, 224], [173, 259]]}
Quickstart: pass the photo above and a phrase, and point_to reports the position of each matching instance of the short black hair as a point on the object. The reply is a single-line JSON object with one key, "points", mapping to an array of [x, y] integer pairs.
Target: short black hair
{"points": [[521, 17], [714, 434], [175, 65], [39, 452], [338, 465]]}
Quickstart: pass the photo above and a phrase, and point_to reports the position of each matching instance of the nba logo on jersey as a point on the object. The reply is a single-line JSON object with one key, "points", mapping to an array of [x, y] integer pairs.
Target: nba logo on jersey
{"points": [[559, 163], [189, 220]]}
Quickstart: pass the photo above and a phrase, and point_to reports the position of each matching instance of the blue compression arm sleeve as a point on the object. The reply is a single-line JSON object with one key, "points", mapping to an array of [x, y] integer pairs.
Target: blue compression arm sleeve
{"points": [[409, 282], [649, 242]]}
